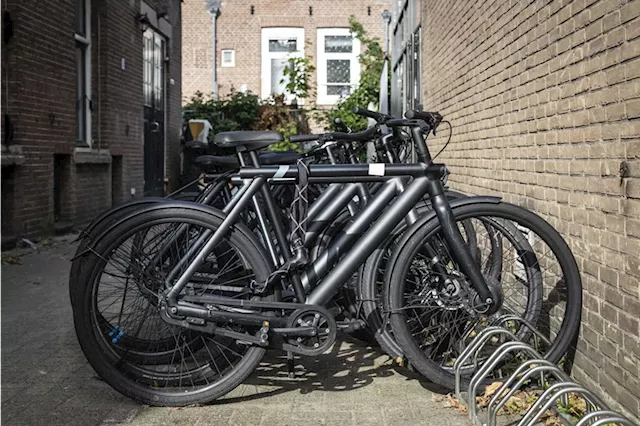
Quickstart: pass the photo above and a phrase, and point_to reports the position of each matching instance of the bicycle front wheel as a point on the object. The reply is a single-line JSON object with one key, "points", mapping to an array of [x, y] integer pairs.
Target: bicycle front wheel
{"points": [[433, 316]]}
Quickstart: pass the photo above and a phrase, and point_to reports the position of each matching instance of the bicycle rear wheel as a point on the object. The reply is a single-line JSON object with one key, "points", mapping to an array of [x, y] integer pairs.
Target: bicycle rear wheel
{"points": [[433, 317], [161, 363]]}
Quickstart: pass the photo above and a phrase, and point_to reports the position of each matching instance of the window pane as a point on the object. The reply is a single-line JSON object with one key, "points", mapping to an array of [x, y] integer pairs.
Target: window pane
{"points": [[338, 44], [283, 45], [277, 73], [338, 90], [227, 56], [148, 68], [80, 17], [338, 71], [158, 79], [81, 93]]}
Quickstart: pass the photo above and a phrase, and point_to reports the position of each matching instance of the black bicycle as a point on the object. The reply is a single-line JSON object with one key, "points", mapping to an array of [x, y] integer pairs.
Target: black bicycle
{"points": [[439, 287]]}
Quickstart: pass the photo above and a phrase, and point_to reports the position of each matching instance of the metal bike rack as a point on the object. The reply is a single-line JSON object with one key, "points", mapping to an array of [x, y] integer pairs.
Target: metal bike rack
{"points": [[490, 364], [551, 396], [598, 413], [476, 345], [541, 366], [501, 320], [607, 416]]}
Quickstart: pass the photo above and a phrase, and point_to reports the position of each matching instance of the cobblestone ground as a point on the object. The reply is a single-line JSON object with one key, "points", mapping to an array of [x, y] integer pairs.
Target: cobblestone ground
{"points": [[47, 381]]}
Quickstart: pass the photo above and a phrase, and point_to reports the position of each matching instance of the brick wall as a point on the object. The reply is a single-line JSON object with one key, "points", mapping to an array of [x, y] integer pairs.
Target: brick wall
{"points": [[39, 74], [238, 29], [544, 98]]}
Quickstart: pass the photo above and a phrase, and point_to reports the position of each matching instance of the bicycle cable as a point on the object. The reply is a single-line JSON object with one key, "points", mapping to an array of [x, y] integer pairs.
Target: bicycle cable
{"points": [[448, 140]]}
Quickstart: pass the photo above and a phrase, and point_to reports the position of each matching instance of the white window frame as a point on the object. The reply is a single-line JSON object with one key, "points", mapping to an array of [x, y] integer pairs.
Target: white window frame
{"points": [[280, 32], [323, 97], [232, 62], [86, 42]]}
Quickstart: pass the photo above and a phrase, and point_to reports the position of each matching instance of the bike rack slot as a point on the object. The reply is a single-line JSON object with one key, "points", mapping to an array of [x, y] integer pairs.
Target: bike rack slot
{"points": [[541, 366], [476, 345], [598, 414], [488, 367], [608, 417], [564, 388], [499, 321]]}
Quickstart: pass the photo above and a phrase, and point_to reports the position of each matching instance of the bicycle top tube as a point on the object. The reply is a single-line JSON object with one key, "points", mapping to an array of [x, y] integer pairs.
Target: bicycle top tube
{"points": [[354, 172]]}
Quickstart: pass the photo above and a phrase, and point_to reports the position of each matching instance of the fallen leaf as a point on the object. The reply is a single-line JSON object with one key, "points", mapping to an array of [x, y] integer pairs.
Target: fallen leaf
{"points": [[11, 260], [449, 401]]}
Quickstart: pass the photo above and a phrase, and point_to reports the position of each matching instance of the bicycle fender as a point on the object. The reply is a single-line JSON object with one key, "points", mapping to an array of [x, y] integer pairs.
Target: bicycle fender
{"points": [[431, 214], [166, 204], [86, 231]]}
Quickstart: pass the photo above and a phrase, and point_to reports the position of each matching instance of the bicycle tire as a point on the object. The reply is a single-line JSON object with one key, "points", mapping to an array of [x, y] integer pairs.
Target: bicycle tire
{"points": [[402, 259], [94, 347]]}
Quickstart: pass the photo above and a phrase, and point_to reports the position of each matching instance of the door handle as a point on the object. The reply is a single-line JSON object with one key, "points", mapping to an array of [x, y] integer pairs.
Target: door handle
{"points": [[155, 127]]}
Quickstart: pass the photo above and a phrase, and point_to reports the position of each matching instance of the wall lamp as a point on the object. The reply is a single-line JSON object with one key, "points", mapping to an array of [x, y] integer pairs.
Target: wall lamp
{"points": [[144, 21]]}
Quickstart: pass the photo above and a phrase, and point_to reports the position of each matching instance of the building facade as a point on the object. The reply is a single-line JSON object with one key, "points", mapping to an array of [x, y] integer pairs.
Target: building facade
{"points": [[91, 108], [255, 40], [544, 99]]}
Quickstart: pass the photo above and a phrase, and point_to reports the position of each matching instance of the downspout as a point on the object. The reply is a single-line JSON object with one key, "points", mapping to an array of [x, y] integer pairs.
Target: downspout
{"points": [[214, 87], [214, 8]]}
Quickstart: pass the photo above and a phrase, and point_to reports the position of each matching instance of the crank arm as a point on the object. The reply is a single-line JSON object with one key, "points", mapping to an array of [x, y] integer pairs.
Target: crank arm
{"points": [[296, 331]]}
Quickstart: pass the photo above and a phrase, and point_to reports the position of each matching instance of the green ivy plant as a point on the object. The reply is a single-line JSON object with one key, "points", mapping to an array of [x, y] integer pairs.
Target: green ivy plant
{"points": [[235, 111], [297, 77], [368, 91]]}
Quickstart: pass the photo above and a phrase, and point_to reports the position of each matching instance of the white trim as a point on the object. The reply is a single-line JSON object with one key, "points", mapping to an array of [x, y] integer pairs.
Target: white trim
{"points": [[86, 40], [280, 32], [323, 98], [232, 62]]}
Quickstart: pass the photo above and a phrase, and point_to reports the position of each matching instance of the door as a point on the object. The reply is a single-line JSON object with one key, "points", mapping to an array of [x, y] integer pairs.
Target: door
{"points": [[154, 88], [278, 46]]}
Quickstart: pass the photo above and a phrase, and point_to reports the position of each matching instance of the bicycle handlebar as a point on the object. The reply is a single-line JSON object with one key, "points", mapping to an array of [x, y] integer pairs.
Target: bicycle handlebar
{"points": [[363, 136], [341, 126], [367, 113], [304, 138], [433, 119]]}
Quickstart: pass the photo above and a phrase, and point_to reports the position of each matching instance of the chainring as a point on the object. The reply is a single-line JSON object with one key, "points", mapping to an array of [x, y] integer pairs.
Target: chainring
{"points": [[325, 324]]}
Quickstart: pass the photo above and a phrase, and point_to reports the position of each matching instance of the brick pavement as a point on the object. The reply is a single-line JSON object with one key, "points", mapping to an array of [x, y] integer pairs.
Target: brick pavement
{"points": [[46, 379]]}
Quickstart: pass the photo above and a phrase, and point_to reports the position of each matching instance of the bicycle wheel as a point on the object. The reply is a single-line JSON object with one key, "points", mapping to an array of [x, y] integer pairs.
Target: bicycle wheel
{"points": [[124, 292], [432, 316], [371, 286]]}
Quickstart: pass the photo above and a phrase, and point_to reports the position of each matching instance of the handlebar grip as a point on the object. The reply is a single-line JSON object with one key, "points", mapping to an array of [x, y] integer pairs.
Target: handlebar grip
{"points": [[340, 125], [366, 113], [363, 136], [432, 118], [304, 138]]}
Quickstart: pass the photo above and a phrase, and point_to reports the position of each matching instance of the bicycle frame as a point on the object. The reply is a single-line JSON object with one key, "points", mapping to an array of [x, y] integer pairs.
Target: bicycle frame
{"points": [[426, 179]]}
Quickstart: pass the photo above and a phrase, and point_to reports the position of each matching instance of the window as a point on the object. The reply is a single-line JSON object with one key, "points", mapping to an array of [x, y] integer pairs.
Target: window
{"points": [[278, 45], [338, 66], [406, 90], [228, 58], [83, 72]]}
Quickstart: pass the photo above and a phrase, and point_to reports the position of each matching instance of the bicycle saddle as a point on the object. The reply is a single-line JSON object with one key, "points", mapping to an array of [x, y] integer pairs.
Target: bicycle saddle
{"points": [[247, 140]]}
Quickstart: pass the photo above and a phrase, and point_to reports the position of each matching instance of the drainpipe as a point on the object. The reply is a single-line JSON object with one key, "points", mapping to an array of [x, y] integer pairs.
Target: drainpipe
{"points": [[214, 8]]}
